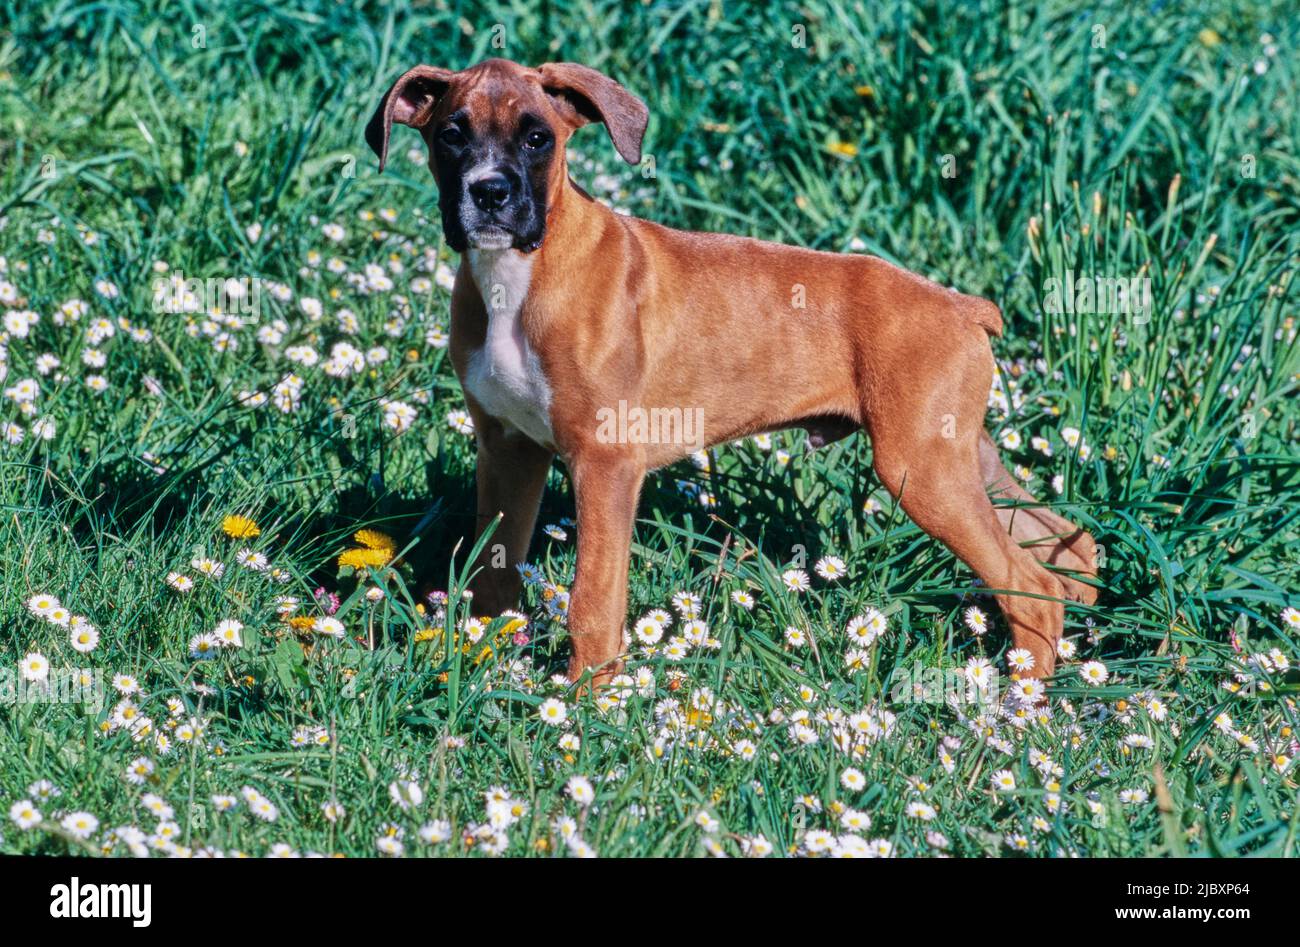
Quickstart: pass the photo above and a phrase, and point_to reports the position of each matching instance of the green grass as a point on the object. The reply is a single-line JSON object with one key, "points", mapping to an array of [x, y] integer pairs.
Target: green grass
{"points": [[1065, 156]]}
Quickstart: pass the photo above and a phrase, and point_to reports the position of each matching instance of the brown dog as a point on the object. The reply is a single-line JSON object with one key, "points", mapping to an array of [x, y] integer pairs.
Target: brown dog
{"points": [[563, 309]]}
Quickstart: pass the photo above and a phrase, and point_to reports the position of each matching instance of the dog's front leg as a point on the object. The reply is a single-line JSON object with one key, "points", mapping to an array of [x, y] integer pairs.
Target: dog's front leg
{"points": [[607, 484], [511, 475]]}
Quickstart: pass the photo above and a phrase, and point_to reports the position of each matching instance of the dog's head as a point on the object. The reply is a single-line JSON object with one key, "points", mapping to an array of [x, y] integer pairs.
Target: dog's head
{"points": [[496, 134]]}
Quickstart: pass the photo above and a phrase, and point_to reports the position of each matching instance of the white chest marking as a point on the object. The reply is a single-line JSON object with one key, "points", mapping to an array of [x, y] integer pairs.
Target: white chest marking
{"points": [[505, 375]]}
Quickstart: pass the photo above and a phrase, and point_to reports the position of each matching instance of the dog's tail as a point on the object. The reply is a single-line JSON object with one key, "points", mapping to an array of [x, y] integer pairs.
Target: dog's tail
{"points": [[984, 313], [946, 301]]}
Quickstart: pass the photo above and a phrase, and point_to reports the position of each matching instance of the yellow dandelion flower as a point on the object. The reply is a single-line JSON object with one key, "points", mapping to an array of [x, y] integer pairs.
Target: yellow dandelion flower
{"points": [[239, 527], [428, 634], [698, 718], [843, 149], [301, 622], [360, 558], [513, 625], [374, 539]]}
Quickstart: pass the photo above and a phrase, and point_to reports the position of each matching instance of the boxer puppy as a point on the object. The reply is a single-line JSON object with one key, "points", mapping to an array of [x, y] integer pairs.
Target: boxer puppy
{"points": [[563, 309]]}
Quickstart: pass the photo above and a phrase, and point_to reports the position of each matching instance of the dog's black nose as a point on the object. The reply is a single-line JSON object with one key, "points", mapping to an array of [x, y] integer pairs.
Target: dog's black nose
{"points": [[491, 192]]}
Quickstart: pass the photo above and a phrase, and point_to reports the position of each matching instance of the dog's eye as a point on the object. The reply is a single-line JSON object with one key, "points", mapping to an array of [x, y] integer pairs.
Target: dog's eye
{"points": [[536, 139], [452, 137]]}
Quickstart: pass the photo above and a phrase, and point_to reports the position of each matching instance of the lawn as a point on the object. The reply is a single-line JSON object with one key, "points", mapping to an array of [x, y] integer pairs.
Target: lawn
{"points": [[213, 518]]}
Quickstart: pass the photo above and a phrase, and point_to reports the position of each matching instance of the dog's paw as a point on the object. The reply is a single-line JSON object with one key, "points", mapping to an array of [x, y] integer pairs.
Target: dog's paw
{"points": [[1076, 591]]}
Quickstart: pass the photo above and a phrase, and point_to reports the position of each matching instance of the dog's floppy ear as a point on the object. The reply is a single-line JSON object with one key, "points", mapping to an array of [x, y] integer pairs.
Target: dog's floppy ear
{"points": [[410, 101], [595, 97]]}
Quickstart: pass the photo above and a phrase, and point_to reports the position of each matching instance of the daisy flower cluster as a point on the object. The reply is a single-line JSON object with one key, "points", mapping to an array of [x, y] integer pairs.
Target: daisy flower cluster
{"points": [[82, 635], [909, 774]]}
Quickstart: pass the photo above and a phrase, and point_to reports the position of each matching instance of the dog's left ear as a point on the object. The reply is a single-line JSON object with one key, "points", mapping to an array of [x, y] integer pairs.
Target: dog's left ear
{"points": [[594, 97], [409, 101]]}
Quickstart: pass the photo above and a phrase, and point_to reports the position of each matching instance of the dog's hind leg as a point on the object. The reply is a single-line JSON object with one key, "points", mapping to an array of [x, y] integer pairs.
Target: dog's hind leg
{"points": [[1053, 539], [925, 434], [938, 482], [944, 495]]}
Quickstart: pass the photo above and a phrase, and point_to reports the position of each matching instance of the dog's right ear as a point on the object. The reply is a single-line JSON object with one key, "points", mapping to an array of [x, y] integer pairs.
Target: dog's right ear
{"points": [[410, 101]]}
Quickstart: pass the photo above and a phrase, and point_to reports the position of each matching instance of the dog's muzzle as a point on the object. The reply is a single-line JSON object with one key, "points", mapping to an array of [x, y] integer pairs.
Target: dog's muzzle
{"points": [[496, 212]]}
